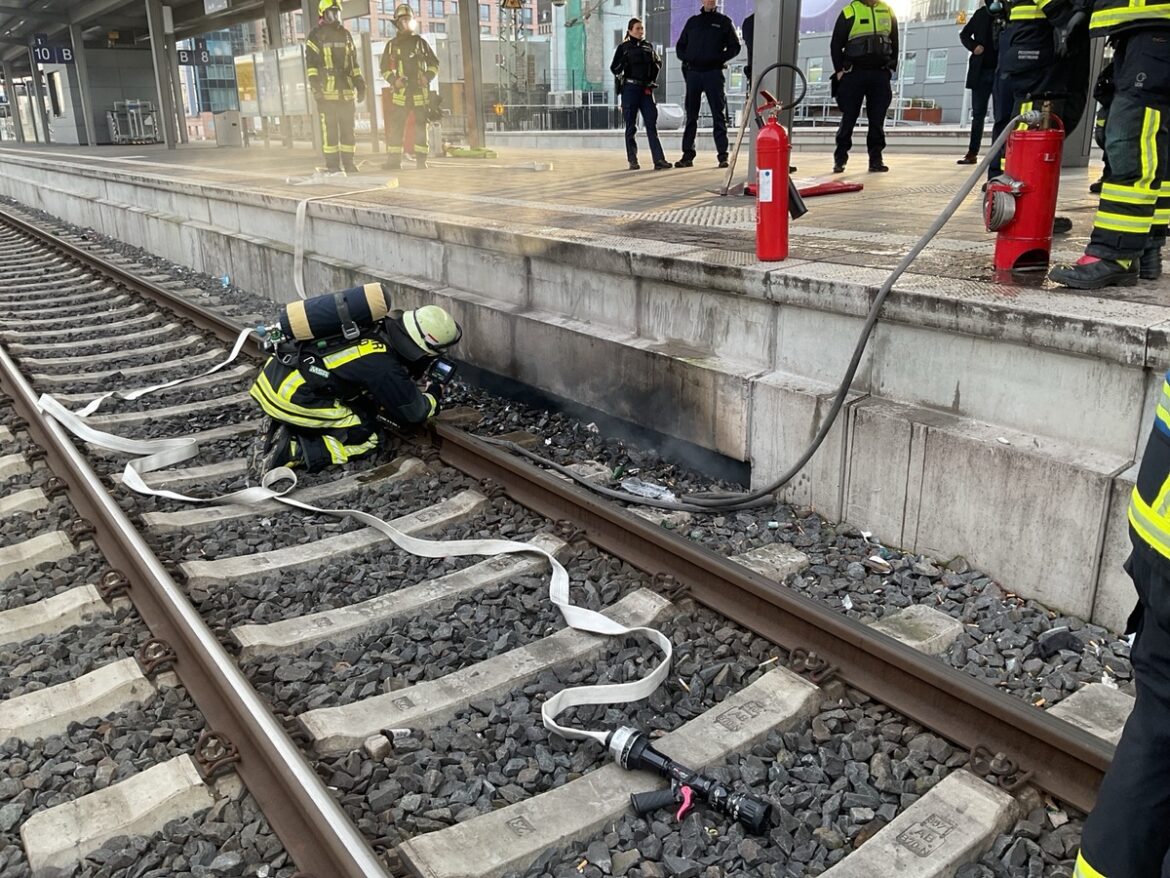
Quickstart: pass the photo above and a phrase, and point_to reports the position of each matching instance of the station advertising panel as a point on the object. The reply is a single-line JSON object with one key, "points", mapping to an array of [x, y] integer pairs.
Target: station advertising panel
{"points": [[268, 83], [246, 86], [294, 86]]}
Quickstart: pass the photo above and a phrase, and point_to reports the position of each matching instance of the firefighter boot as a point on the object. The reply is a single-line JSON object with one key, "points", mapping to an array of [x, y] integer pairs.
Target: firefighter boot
{"points": [[392, 163], [1150, 264], [1091, 273]]}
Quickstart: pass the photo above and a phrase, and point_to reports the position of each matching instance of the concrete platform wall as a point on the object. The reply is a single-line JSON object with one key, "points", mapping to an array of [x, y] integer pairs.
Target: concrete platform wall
{"points": [[974, 428]]}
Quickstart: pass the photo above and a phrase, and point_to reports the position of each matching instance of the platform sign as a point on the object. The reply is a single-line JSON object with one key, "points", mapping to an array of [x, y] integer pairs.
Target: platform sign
{"points": [[43, 53], [210, 7], [197, 57]]}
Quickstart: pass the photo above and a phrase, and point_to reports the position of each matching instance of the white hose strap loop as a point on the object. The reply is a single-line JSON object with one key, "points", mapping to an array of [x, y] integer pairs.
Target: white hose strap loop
{"points": [[299, 235], [156, 454], [143, 391]]}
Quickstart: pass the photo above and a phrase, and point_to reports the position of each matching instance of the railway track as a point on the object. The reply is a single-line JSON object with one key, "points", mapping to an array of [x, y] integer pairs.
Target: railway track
{"points": [[383, 710]]}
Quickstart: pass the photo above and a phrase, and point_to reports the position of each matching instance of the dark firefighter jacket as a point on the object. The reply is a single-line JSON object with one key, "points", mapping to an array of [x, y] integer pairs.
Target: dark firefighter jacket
{"points": [[332, 63], [410, 57], [337, 390]]}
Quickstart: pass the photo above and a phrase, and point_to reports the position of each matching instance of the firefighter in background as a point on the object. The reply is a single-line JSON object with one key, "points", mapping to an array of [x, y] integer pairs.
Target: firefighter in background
{"points": [[1041, 55], [1129, 229], [336, 81], [864, 50], [408, 64], [327, 405]]}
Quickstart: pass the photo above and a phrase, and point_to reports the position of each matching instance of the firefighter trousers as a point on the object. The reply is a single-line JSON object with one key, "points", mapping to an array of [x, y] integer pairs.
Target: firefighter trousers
{"points": [[1126, 835], [1018, 92], [396, 130], [1135, 190], [337, 134], [316, 449]]}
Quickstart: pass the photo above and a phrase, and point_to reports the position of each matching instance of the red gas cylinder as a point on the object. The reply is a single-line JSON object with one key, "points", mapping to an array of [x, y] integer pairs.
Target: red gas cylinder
{"points": [[772, 151], [1020, 205]]}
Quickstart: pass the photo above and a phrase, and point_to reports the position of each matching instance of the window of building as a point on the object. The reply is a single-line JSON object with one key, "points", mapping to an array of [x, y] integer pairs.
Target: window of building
{"points": [[484, 29], [936, 65], [909, 66], [360, 25], [526, 15], [485, 12], [815, 69], [385, 27], [439, 27]]}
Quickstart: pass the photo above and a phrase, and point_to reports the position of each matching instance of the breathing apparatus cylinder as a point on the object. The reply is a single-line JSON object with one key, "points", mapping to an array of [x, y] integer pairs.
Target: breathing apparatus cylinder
{"points": [[631, 750], [772, 152], [1020, 204], [332, 314]]}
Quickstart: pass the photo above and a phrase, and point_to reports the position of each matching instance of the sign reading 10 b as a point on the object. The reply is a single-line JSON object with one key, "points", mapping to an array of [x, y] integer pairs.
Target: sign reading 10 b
{"points": [[43, 53]]}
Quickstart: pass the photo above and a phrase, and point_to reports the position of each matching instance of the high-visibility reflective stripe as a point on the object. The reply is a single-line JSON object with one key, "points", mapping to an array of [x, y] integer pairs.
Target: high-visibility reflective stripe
{"points": [[1153, 529], [1152, 12], [1115, 222], [1163, 410], [1026, 12], [1084, 870], [1151, 121], [1128, 194], [278, 402], [336, 450]]}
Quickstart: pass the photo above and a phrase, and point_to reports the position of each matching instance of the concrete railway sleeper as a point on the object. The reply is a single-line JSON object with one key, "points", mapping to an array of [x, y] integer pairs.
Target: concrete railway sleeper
{"points": [[463, 659]]}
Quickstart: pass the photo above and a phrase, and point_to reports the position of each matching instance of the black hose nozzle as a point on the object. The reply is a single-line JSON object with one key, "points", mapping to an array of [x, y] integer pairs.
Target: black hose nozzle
{"points": [[632, 751]]}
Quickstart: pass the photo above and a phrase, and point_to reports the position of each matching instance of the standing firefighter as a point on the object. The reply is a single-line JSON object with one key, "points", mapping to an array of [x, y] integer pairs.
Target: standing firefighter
{"points": [[327, 396], [408, 64], [335, 80], [1130, 227]]}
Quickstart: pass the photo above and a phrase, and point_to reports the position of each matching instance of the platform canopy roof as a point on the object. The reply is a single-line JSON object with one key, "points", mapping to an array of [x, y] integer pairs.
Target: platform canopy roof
{"points": [[21, 20]]}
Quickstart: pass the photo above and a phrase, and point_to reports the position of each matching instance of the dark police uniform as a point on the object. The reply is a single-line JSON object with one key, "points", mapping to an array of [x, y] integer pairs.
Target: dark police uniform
{"points": [[330, 400], [980, 30], [1126, 835], [335, 79], [409, 57], [707, 42], [636, 64], [864, 47], [1029, 67]]}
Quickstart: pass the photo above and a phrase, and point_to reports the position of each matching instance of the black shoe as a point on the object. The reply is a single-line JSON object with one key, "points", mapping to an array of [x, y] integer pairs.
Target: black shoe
{"points": [[394, 164], [270, 449], [1095, 188], [969, 159], [878, 168], [723, 162], [350, 168], [1095, 275], [685, 162], [662, 165], [634, 166], [1061, 225], [1150, 264], [838, 169]]}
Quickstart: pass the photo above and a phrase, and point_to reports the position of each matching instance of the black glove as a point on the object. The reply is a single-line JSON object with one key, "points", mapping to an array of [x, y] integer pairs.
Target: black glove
{"points": [[1060, 35], [360, 90], [435, 389], [318, 95]]}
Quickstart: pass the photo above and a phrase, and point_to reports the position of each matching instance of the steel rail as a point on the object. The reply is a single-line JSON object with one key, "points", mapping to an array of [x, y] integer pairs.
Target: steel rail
{"points": [[320, 838], [1063, 760]]}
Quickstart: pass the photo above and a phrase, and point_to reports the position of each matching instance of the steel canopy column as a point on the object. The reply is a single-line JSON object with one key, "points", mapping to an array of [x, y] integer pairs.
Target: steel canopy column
{"points": [[370, 72], [82, 67], [176, 87], [309, 11], [38, 96], [162, 71], [13, 102], [276, 41], [777, 40], [472, 71]]}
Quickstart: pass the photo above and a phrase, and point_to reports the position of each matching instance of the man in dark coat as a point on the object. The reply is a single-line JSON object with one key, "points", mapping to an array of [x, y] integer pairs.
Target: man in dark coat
{"points": [[707, 42], [980, 36]]}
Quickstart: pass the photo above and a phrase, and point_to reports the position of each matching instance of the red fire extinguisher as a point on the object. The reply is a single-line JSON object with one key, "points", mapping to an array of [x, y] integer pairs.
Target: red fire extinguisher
{"points": [[772, 153], [1020, 204]]}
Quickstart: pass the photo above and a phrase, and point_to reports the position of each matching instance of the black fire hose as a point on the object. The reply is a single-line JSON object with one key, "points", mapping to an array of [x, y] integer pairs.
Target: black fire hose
{"points": [[717, 503]]}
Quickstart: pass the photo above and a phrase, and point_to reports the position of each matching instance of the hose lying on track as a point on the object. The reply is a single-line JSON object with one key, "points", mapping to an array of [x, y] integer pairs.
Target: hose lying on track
{"points": [[734, 501]]}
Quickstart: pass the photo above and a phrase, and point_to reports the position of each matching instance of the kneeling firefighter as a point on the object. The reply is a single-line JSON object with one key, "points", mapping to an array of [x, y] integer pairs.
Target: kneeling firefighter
{"points": [[342, 365]]}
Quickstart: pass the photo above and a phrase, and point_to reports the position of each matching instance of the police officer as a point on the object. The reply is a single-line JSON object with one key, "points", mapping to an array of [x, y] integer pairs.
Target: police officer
{"points": [[707, 42], [864, 50], [335, 80], [636, 65], [408, 64], [1129, 230], [980, 36], [1043, 52], [1125, 836], [326, 404]]}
